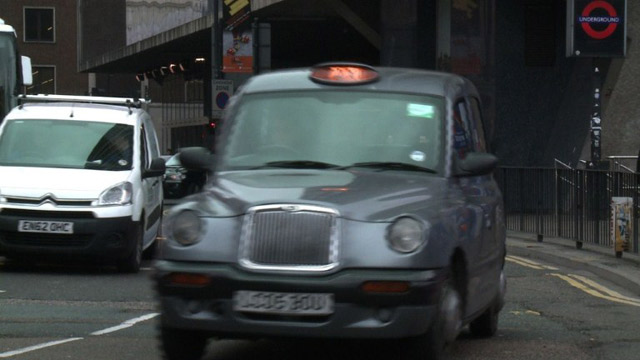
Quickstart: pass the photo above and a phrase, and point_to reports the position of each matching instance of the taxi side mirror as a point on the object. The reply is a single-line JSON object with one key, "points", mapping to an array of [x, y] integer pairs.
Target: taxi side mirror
{"points": [[197, 158], [476, 163]]}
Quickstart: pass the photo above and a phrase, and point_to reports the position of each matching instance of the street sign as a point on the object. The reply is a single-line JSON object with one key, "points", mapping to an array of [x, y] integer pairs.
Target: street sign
{"points": [[596, 28], [222, 91]]}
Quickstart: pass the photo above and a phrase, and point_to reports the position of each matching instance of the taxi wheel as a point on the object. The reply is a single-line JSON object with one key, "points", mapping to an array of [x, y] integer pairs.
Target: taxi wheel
{"points": [[434, 344], [486, 325], [182, 344], [131, 264]]}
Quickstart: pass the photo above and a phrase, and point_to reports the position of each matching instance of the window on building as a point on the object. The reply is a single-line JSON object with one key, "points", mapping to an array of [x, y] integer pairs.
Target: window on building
{"points": [[540, 33], [194, 91], [44, 80], [39, 25]]}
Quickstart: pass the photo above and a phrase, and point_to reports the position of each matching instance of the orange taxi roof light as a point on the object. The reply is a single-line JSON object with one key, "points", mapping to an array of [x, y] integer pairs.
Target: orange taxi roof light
{"points": [[345, 74]]}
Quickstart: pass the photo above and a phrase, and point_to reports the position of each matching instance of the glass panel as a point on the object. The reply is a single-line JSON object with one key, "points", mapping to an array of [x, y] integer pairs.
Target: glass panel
{"points": [[38, 25], [340, 128], [7, 72], [45, 143], [43, 80]]}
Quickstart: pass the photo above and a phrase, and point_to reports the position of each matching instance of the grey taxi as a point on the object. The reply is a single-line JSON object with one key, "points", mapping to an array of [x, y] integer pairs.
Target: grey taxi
{"points": [[345, 201]]}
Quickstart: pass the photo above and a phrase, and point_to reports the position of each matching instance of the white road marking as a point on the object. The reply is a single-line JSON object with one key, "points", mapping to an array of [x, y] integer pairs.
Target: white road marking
{"points": [[124, 325], [37, 347]]}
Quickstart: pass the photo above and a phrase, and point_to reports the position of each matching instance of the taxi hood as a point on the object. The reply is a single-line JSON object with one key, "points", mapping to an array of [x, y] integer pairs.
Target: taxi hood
{"points": [[61, 183], [358, 195]]}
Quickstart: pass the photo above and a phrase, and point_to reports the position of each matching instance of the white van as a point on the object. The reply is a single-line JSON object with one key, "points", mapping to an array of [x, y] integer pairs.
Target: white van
{"points": [[80, 178]]}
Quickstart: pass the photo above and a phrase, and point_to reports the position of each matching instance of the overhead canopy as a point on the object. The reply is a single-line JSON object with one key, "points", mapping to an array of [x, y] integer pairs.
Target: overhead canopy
{"points": [[193, 39]]}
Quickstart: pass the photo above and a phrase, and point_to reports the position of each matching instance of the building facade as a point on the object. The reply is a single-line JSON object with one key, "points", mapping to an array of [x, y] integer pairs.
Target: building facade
{"points": [[537, 100], [47, 32]]}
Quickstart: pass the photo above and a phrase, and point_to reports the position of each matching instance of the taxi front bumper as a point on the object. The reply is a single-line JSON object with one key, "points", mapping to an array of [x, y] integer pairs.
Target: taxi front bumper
{"points": [[356, 313]]}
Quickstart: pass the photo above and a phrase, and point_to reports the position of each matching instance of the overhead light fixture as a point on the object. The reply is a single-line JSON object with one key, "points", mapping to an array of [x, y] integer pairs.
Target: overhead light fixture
{"points": [[200, 59], [164, 70], [140, 77], [172, 68]]}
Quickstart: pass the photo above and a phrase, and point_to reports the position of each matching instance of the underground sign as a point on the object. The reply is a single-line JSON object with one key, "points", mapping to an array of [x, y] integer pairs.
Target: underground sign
{"points": [[599, 28]]}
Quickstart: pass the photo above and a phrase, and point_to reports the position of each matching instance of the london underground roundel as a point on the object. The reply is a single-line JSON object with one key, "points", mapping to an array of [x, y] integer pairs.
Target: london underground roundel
{"points": [[589, 18]]}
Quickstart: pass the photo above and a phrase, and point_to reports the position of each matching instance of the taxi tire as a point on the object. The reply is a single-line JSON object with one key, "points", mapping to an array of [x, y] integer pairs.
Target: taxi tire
{"points": [[434, 344], [486, 325], [131, 263], [177, 344]]}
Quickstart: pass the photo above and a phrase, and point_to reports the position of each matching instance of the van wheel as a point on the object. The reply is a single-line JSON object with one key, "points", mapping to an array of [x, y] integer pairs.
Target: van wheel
{"points": [[131, 264], [182, 344]]}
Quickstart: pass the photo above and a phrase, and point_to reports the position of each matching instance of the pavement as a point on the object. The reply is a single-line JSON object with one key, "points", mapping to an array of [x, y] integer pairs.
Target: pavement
{"points": [[601, 261]]}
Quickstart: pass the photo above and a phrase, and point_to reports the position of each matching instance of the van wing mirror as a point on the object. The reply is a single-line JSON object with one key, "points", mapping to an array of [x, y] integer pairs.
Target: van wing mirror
{"points": [[157, 168]]}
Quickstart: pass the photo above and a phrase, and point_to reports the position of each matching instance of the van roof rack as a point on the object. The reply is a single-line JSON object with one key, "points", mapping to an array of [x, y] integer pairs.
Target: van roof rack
{"points": [[129, 102]]}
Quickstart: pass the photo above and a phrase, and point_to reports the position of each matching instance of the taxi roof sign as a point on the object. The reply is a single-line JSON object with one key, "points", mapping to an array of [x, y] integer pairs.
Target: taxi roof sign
{"points": [[343, 73]]}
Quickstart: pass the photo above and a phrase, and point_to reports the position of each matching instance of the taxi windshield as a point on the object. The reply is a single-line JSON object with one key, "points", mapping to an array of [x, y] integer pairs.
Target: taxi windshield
{"points": [[67, 144], [335, 128]]}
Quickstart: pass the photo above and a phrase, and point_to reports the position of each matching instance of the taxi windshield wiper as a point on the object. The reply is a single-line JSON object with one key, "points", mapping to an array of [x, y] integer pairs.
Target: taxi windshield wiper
{"points": [[300, 164], [389, 165]]}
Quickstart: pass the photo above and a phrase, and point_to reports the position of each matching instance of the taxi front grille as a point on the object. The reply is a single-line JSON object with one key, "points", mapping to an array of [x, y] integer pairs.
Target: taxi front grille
{"points": [[290, 237]]}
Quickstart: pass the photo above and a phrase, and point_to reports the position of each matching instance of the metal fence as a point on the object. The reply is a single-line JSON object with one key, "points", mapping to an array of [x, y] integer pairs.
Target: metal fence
{"points": [[569, 203]]}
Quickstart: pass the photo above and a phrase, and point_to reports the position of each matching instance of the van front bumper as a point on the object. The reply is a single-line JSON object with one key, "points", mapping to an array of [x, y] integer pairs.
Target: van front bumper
{"points": [[92, 238]]}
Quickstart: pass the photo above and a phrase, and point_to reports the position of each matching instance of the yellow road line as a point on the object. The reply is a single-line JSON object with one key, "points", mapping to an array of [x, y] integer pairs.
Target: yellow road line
{"points": [[603, 289], [529, 263], [577, 284]]}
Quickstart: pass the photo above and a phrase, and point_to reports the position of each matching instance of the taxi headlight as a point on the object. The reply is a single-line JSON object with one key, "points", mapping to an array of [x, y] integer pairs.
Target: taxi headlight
{"points": [[406, 235], [119, 194], [186, 228]]}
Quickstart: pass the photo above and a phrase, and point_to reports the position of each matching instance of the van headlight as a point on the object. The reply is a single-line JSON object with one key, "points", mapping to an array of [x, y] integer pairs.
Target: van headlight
{"points": [[186, 228], [406, 235], [119, 194]]}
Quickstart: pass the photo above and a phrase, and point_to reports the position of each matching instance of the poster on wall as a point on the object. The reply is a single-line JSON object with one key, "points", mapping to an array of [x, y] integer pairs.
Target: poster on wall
{"points": [[237, 51], [596, 28], [621, 224]]}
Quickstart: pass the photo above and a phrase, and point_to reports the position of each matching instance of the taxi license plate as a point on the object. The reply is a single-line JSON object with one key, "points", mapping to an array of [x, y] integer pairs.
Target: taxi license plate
{"points": [[50, 227], [283, 303]]}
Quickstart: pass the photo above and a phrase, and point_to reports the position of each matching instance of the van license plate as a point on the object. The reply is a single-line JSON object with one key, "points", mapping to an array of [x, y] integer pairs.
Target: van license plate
{"points": [[283, 303], [51, 227]]}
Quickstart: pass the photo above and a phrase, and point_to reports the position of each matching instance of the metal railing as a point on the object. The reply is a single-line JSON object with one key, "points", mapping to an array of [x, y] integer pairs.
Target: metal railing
{"points": [[568, 203]]}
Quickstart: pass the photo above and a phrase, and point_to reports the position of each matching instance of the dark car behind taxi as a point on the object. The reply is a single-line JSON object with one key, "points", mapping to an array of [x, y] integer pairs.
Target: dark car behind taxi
{"points": [[178, 181], [345, 201]]}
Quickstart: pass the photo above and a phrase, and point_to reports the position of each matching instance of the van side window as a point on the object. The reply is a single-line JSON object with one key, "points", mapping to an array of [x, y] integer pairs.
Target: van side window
{"points": [[479, 140], [144, 155], [462, 141]]}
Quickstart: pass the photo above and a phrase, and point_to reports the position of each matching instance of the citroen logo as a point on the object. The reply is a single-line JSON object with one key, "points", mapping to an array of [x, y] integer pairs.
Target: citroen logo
{"points": [[48, 198]]}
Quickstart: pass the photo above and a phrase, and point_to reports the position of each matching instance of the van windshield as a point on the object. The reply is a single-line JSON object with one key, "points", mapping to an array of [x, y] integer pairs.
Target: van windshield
{"points": [[335, 129], [67, 144]]}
